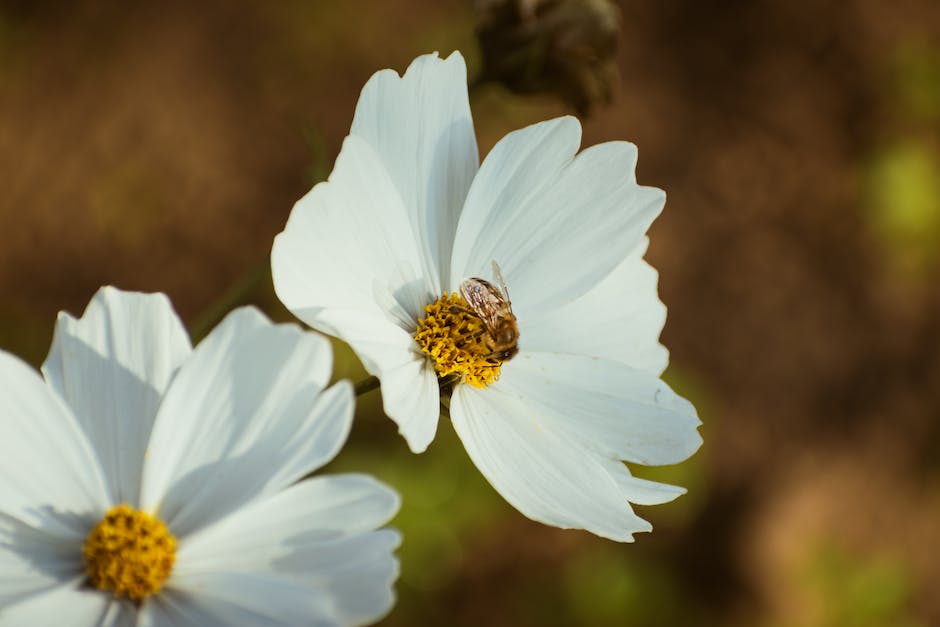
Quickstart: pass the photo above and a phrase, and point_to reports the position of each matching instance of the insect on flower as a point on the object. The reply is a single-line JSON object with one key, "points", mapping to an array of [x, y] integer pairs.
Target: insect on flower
{"points": [[551, 392], [500, 332]]}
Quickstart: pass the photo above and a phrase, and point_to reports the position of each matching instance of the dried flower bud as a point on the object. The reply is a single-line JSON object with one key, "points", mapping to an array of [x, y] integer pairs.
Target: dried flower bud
{"points": [[564, 47]]}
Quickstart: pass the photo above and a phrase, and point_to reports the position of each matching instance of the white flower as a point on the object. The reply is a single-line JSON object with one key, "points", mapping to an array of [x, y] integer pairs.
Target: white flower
{"points": [[168, 477], [406, 217]]}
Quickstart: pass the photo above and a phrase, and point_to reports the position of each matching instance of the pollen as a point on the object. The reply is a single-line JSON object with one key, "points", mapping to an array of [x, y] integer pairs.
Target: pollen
{"points": [[453, 337], [129, 553]]}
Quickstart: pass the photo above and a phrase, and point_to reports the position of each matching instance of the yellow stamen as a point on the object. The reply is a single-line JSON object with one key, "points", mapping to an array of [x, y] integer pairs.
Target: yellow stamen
{"points": [[129, 552], [451, 335]]}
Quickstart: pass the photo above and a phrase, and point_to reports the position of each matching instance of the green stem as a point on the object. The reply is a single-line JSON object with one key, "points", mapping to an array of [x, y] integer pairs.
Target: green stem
{"points": [[366, 385], [236, 295]]}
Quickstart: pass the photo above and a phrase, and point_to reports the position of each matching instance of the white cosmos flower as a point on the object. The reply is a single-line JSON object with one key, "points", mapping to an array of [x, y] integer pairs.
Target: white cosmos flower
{"points": [[190, 460], [408, 214]]}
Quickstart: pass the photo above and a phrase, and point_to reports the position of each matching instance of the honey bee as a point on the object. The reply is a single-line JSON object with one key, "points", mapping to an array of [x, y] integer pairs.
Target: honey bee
{"points": [[491, 305]]}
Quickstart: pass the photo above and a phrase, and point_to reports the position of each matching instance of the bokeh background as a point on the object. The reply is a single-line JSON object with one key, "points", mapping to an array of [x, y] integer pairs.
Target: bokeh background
{"points": [[160, 146]]}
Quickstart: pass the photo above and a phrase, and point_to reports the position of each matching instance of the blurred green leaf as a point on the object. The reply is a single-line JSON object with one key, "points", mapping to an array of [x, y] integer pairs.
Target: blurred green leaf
{"points": [[445, 501], [611, 585], [859, 590], [904, 194], [917, 73]]}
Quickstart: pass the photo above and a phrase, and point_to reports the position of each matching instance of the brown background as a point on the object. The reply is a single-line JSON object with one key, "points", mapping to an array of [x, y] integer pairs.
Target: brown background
{"points": [[160, 146]]}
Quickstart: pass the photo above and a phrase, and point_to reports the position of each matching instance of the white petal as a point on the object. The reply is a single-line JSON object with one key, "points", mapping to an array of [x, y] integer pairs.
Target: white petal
{"points": [[555, 223], [420, 126], [170, 609], [318, 534], [120, 613], [321, 509], [20, 580], [346, 238], [545, 476], [642, 491], [410, 392], [174, 609], [411, 397], [356, 574], [111, 367], [244, 417], [33, 560], [49, 476], [227, 599], [379, 343], [620, 319], [613, 409], [69, 602]]}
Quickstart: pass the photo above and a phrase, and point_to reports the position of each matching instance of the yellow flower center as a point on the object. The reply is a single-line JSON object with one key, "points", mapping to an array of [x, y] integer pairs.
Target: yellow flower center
{"points": [[453, 337], [129, 552]]}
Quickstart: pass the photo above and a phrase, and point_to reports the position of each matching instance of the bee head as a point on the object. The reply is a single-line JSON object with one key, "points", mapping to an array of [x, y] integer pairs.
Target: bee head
{"points": [[507, 334]]}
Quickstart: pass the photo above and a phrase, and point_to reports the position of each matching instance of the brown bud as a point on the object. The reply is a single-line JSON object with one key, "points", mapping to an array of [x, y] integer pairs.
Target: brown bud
{"points": [[563, 47]]}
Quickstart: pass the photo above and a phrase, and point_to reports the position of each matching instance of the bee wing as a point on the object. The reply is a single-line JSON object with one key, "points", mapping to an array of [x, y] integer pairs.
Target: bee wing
{"points": [[484, 299], [501, 282]]}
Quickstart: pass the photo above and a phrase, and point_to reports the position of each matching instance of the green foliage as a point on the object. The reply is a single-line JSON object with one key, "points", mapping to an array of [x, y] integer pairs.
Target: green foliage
{"points": [[446, 503], [904, 196], [917, 72], [614, 585], [859, 590]]}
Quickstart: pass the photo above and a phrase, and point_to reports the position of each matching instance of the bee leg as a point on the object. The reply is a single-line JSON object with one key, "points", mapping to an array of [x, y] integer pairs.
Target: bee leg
{"points": [[473, 337]]}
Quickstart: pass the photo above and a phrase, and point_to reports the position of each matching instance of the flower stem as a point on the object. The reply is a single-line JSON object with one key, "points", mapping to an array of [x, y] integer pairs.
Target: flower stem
{"points": [[366, 385], [236, 295]]}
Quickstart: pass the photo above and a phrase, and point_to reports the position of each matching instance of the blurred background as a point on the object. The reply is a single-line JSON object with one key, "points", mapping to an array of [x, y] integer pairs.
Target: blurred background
{"points": [[160, 146]]}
